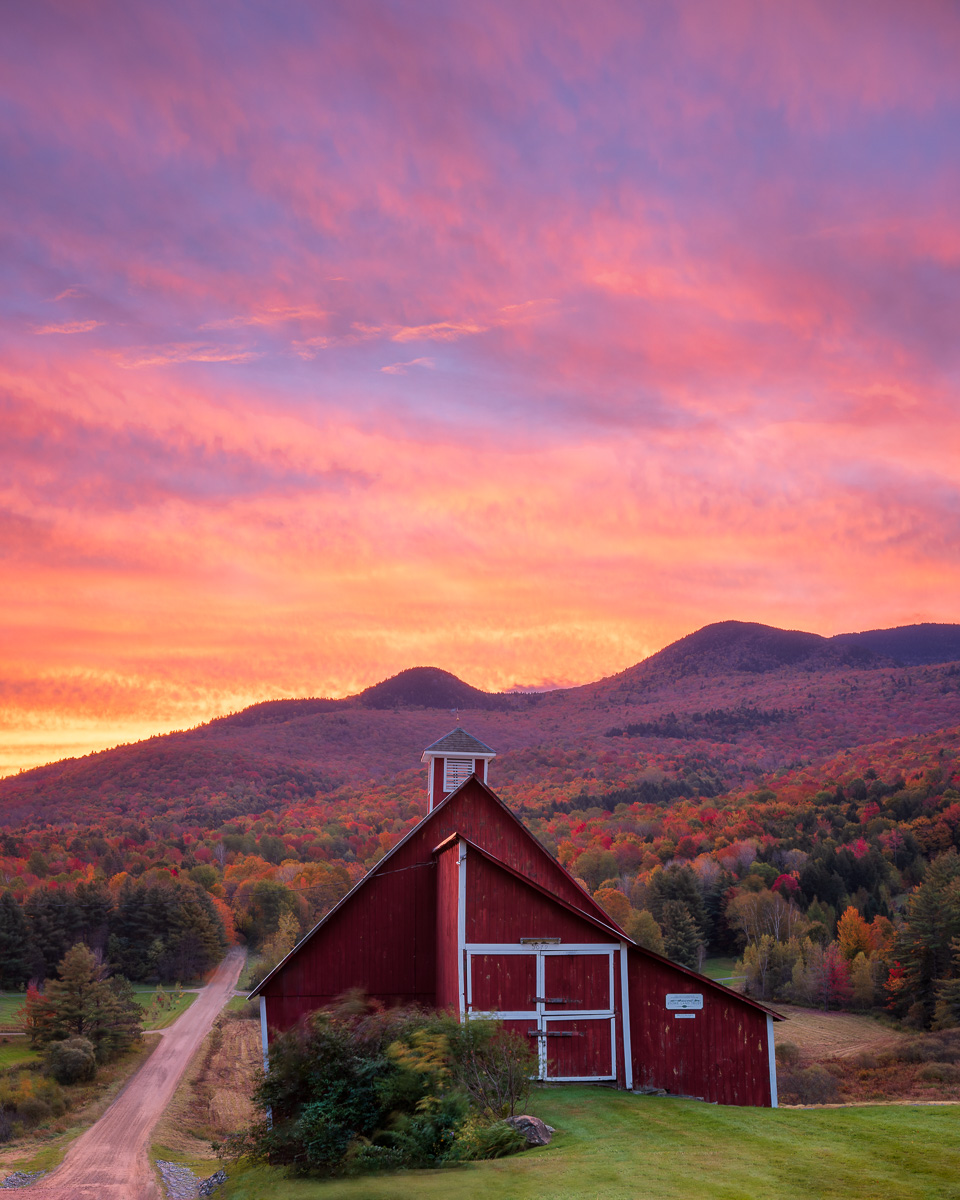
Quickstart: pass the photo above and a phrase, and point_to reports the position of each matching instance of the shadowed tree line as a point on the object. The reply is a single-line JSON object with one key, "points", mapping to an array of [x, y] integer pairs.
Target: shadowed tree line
{"points": [[160, 929]]}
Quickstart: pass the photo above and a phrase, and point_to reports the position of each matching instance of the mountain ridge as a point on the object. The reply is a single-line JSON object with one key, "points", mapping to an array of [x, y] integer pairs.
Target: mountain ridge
{"points": [[744, 695]]}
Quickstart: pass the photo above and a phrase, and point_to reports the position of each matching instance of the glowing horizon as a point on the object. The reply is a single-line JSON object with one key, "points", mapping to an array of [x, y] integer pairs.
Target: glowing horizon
{"points": [[355, 337]]}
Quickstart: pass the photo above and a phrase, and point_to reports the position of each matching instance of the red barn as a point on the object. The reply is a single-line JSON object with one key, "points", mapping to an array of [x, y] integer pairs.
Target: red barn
{"points": [[469, 912]]}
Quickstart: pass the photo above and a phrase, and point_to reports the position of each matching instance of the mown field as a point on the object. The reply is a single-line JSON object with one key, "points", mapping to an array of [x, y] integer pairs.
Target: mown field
{"points": [[162, 1006], [612, 1146]]}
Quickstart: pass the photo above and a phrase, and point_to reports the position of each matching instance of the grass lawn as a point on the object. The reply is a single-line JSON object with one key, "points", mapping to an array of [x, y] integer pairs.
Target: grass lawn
{"points": [[16, 1051], [721, 969], [10, 1005], [613, 1146], [12, 1002], [156, 1017], [240, 1004]]}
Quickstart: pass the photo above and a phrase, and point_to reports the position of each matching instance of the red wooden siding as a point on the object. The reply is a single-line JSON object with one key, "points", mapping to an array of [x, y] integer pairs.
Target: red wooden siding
{"points": [[438, 792], [579, 1047], [448, 947], [720, 1054], [383, 939], [383, 942], [502, 908], [503, 982], [475, 813], [579, 981], [396, 937]]}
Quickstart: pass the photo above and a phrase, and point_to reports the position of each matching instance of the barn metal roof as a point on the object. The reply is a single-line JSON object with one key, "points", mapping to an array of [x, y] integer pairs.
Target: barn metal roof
{"points": [[458, 741]]}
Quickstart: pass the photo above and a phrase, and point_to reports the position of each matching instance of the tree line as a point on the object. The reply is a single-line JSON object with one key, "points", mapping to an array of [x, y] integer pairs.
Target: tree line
{"points": [[156, 928]]}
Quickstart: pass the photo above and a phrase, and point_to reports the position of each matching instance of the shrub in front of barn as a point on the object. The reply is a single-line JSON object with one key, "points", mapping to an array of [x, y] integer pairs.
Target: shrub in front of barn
{"points": [[362, 1089]]}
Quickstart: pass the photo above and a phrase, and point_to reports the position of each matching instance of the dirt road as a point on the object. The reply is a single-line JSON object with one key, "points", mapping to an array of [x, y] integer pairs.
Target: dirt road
{"points": [[109, 1162]]}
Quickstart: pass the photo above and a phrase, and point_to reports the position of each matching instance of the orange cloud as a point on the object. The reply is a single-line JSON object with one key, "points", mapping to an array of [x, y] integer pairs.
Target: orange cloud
{"points": [[695, 286]]}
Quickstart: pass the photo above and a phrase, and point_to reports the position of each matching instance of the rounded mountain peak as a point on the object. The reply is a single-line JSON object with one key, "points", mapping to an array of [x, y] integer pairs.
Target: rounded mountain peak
{"points": [[727, 646], [427, 687]]}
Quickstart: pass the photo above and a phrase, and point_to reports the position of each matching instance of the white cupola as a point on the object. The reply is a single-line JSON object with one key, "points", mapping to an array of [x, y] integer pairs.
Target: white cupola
{"points": [[452, 760]]}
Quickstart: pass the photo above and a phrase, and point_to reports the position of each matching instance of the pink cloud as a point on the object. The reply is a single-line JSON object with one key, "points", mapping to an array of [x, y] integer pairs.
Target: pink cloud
{"points": [[400, 368], [695, 285], [69, 327]]}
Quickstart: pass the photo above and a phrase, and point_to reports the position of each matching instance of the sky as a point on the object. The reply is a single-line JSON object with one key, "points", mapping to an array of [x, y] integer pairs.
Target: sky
{"points": [[516, 339]]}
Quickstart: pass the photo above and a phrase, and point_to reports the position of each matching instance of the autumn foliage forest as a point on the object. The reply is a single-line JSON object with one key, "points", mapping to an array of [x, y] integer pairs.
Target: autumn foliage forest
{"points": [[790, 800]]}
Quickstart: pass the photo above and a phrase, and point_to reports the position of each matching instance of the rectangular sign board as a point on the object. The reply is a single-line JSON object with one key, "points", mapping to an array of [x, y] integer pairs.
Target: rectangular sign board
{"points": [[684, 1001]]}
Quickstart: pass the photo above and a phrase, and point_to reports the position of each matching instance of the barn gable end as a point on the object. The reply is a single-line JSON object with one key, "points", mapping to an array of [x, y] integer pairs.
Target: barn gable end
{"points": [[469, 912]]}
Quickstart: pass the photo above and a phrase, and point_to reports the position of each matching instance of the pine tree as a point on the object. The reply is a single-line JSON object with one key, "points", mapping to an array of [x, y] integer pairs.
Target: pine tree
{"points": [[53, 921], [74, 995], [946, 1013], [94, 909], [681, 937], [14, 958], [679, 884], [82, 1003], [924, 947]]}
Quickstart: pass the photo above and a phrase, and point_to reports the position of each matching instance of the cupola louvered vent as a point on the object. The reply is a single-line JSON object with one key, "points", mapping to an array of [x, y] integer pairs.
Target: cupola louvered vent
{"points": [[452, 760], [455, 772]]}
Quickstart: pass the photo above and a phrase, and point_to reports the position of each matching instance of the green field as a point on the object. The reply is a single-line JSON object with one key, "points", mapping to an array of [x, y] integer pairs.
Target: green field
{"points": [[10, 1005], [160, 1018], [613, 1146], [17, 1051], [12, 1002], [721, 969], [240, 1004]]}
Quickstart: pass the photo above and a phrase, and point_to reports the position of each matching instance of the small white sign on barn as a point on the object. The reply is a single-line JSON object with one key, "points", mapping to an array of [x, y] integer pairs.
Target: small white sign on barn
{"points": [[684, 1001]]}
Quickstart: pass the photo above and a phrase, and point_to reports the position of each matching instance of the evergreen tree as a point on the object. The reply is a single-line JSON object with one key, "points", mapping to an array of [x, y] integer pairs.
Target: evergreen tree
{"points": [[946, 1013], [73, 996], [196, 941], [924, 947], [678, 883], [94, 909], [681, 937], [14, 956], [53, 921], [165, 928], [115, 1019], [81, 1003]]}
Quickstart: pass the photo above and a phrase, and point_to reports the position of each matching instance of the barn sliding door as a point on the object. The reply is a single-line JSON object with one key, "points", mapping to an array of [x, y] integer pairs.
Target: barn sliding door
{"points": [[577, 1021], [563, 999]]}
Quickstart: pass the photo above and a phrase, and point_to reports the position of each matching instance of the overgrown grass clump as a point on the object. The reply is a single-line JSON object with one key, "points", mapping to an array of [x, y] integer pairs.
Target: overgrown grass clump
{"points": [[27, 1099], [363, 1089]]}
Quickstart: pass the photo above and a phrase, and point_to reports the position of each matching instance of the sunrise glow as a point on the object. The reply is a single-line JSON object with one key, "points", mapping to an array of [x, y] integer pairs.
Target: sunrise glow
{"points": [[514, 339]]}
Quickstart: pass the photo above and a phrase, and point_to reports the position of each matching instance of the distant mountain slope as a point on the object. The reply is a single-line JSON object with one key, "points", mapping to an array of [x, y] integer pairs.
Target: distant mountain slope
{"points": [[740, 646], [738, 698], [909, 645]]}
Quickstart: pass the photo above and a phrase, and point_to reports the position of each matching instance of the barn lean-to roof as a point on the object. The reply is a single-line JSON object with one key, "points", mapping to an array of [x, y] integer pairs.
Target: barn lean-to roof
{"points": [[591, 911]]}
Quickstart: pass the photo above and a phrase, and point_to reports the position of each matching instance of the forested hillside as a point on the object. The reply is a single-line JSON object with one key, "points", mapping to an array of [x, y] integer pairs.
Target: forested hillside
{"points": [[788, 798]]}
